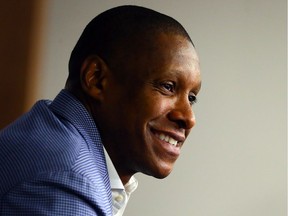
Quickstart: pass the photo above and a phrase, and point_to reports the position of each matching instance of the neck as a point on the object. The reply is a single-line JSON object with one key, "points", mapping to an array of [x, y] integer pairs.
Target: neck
{"points": [[85, 99]]}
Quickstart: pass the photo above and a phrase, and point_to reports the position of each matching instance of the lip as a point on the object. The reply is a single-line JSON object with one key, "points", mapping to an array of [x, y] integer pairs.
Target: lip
{"points": [[171, 150], [180, 137]]}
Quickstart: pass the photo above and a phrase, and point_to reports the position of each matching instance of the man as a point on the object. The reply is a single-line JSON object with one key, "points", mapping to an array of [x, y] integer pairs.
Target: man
{"points": [[127, 105]]}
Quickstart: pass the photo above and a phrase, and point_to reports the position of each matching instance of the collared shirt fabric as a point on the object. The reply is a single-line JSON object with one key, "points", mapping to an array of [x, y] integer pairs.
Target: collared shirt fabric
{"points": [[52, 162], [120, 193]]}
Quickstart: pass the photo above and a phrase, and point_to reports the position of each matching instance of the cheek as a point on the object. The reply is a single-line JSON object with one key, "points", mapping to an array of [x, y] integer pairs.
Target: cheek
{"points": [[147, 106], [162, 104], [155, 108]]}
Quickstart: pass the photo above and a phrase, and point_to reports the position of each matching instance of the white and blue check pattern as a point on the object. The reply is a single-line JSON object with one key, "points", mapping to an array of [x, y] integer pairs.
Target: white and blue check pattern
{"points": [[52, 162]]}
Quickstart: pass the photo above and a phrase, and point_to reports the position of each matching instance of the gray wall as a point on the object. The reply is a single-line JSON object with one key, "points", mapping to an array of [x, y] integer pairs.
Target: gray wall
{"points": [[234, 162]]}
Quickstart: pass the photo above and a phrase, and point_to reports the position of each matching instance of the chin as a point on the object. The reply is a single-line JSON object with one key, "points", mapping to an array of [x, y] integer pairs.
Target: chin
{"points": [[161, 176], [161, 173]]}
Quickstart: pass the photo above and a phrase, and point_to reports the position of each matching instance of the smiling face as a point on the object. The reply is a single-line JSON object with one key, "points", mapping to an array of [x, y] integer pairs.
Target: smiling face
{"points": [[145, 118]]}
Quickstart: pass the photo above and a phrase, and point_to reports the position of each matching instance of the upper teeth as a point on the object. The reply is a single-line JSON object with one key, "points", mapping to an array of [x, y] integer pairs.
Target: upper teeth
{"points": [[168, 139]]}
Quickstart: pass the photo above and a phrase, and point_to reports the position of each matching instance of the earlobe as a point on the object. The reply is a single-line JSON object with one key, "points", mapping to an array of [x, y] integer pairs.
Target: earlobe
{"points": [[93, 76]]}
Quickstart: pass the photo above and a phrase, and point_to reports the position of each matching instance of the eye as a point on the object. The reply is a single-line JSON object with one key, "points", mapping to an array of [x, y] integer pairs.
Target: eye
{"points": [[169, 86], [192, 99]]}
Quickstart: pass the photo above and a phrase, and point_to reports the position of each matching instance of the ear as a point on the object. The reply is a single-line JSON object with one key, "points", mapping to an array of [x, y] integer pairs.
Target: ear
{"points": [[93, 78]]}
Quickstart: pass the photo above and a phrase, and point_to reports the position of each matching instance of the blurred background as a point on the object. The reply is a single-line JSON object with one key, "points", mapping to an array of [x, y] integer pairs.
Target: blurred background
{"points": [[235, 160]]}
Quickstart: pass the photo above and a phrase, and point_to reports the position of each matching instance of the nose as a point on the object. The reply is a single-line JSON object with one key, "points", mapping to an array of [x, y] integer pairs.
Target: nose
{"points": [[183, 114]]}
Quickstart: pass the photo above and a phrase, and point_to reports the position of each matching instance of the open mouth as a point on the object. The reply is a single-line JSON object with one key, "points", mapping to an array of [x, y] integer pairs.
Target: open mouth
{"points": [[168, 139]]}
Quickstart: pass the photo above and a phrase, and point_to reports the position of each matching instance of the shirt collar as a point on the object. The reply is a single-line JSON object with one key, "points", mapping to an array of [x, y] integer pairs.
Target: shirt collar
{"points": [[115, 180]]}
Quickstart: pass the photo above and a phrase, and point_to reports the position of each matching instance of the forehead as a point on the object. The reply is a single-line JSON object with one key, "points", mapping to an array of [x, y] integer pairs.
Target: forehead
{"points": [[165, 41], [169, 53], [158, 56], [168, 47]]}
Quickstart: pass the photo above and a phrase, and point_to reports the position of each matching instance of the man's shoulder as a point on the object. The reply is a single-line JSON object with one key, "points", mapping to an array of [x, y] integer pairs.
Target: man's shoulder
{"points": [[52, 136], [70, 192], [40, 131], [38, 142]]}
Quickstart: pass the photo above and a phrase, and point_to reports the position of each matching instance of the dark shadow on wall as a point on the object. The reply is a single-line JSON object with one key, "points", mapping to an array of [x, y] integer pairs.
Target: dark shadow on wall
{"points": [[17, 23]]}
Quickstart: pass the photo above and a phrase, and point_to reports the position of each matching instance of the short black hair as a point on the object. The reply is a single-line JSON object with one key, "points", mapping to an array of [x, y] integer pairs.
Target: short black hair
{"points": [[117, 27]]}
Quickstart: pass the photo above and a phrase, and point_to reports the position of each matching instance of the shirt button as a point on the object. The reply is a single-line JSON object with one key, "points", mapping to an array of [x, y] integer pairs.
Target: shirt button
{"points": [[119, 198]]}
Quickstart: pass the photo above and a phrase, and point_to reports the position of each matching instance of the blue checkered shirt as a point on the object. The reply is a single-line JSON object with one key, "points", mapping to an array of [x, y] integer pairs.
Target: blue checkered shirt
{"points": [[52, 162]]}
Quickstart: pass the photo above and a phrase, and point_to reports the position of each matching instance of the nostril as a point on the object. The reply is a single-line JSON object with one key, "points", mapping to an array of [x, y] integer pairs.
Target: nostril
{"points": [[191, 123], [186, 124], [184, 119], [181, 124]]}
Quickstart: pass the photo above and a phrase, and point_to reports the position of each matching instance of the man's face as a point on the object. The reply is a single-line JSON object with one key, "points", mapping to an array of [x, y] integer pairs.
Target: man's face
{"points": [[149, 114]]}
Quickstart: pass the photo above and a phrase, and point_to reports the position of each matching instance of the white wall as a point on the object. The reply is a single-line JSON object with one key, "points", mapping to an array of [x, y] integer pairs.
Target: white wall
{"points": [[234, 163]]}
